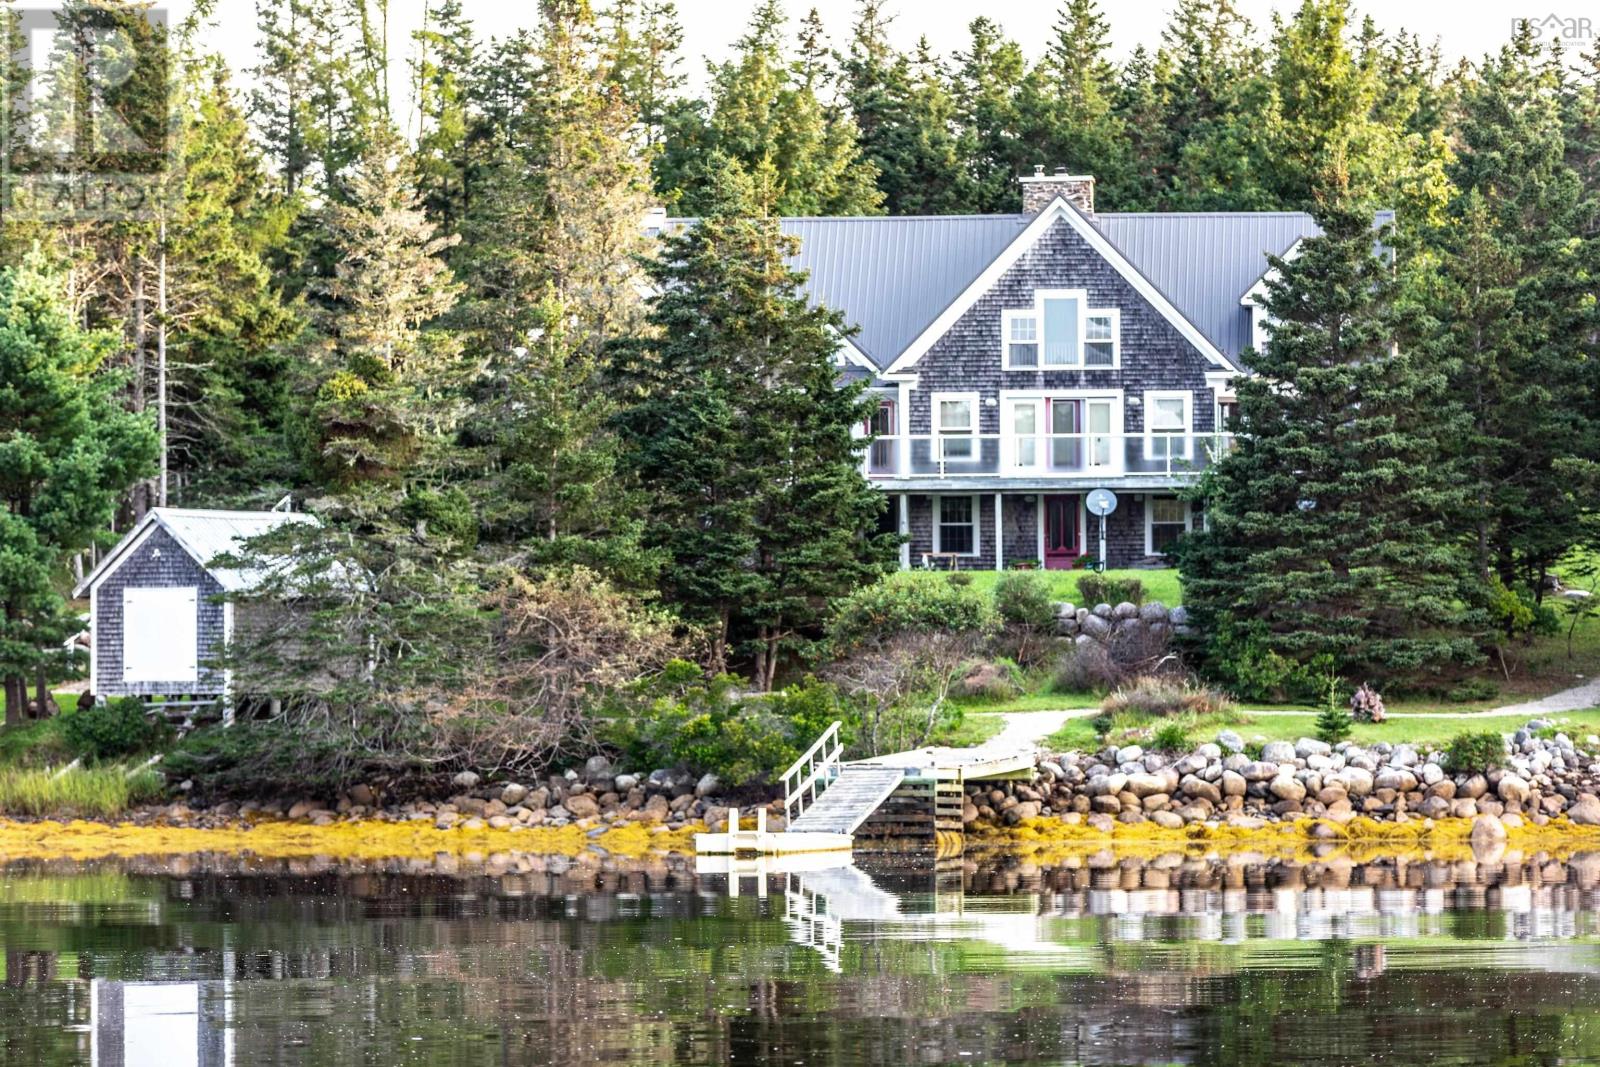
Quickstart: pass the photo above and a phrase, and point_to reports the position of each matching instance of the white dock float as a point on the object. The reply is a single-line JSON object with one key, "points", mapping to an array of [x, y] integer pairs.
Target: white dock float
{"points": [[762, 842]]}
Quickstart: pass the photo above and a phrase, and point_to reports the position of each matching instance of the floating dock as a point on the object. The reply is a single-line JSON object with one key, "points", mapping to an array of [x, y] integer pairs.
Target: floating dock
{"points": [[900, 801]]}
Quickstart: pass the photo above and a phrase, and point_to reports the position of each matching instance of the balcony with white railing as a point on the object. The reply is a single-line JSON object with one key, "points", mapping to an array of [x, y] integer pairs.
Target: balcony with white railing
{"points": [[1047, 455]]}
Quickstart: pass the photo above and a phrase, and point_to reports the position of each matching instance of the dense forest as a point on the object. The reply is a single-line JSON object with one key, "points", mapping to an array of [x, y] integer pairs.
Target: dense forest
{"points": [[443, 328]]}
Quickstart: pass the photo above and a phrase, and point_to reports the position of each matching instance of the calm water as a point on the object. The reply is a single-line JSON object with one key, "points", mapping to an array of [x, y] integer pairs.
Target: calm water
{"points": [[1169, 961]]}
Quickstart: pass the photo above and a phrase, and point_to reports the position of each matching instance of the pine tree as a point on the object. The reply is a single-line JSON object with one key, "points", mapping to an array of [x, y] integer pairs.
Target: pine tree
{"points": [[68, 453], [644, 38], [442, 75], [226, 318], [772, 115], [385, 386], [1326, 542], [1067, 103], [741, 437], [1515, 302], [987, 84]]}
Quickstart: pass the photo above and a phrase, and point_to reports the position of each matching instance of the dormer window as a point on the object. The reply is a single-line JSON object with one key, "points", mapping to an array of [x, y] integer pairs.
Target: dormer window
{"points": [[1061, 332]]}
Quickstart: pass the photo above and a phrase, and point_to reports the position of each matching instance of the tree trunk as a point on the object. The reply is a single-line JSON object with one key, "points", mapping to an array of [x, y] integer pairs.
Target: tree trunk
{"points": [[16, 697], [161, 366], [46, 702]]}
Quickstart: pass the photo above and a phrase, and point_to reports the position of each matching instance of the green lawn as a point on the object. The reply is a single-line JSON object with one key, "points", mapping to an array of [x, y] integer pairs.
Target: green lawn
{"points": [[1159, 585], [1089, 734]]}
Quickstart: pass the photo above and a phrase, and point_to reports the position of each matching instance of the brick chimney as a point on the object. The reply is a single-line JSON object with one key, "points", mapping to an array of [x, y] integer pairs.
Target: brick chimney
{"points": [[1039, 189]]}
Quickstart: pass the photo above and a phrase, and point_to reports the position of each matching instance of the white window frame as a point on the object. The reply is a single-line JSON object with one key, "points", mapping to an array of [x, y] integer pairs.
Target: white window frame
{"points": [[1081, 298], [1118, 433], [1150, 523], [1115, 315], [164, 645], [1150, 434], [1006, 319], [977, 523], [940, 434]]}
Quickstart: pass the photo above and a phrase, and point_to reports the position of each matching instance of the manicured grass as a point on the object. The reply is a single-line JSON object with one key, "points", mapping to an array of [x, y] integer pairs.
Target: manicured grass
{"points": [[93, 791], [1088, 734], [1159, 585], [971, 729]]}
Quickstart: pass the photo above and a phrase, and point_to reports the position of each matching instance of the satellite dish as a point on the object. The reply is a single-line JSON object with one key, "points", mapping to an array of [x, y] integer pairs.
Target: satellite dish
{"points": [[1101, 502]]}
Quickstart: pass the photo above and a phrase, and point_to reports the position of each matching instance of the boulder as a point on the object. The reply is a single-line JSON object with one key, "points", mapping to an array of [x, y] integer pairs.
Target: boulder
{"points": [[1233, 784], [1512, 789], [708, 785], [1231, 741], [1259, 771], [1125, 610], [582, 806], [1307, 747], [1585, 811], [1130, 754], [363, 794], [466, 780], [1285, 787], [1144, 785], [1278, 752], [1154, 611], [513, 794], [624, 783], [597, 767]]}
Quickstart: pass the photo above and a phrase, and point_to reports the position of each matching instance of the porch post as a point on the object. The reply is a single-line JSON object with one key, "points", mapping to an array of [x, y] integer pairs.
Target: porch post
{"points": [[999, 538], [905, 531], [1038, 524]]}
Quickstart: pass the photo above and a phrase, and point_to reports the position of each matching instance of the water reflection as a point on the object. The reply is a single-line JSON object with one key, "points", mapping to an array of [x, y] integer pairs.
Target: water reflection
{"points": [[523, 960]]}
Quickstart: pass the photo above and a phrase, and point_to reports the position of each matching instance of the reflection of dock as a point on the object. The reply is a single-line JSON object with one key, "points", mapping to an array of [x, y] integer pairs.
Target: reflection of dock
{"points": [[900, 800], [159, 1024]]}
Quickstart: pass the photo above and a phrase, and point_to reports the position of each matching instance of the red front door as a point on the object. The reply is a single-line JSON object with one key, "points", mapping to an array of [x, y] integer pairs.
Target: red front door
{"points": [[1060, 531]]}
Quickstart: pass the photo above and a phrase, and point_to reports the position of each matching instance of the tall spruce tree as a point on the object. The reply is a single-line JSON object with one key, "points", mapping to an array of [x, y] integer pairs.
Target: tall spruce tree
{"points": [[1326, 542], [1517, 296], [987, 84], [1068, 103], [68, 454], [742, 438]]}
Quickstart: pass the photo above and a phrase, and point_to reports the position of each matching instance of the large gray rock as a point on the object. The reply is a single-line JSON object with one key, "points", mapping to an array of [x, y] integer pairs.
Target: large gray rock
{"points": [[1094, 626], [596, 767], [1286, 788], [513, 794], [1278, 752], [1154, 611], [1307, 747], [1260, 771], [1129, 754], [708, 785], [1125, 610], [1512, 788], [1230, 741], [1103, 610], [1586, 810], [466, 780], [1144, 785]]}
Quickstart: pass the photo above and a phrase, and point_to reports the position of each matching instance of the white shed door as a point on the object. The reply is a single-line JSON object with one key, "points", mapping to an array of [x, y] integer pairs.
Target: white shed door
{"points": [[160, 634]]}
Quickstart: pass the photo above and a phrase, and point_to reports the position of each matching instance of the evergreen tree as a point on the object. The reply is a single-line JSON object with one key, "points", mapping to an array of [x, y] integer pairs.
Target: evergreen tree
{"points": [[1326, 543], [1516, 304], [68, 453], [742, 439], [226, 319], [442, 82], [385, 387], [768, 115], [987, 85], [642, 60], [1067, 103]]}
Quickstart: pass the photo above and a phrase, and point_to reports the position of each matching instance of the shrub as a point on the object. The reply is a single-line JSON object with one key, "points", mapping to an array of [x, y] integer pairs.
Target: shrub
{"points": [[1471, 690], [1086, 667], [1166, 696], [1239, 656], [116, 728], [1475, 752], [960, 579], [1129, 653], [1094, 588], [900, 684], [995, 680], [1023, 597], [1334, 724], [708, 726], [1170, 737], [909, 603]]}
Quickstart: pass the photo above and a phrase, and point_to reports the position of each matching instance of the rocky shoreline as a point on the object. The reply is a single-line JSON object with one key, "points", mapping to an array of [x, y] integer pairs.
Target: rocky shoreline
{"points": [[1219, 784]]}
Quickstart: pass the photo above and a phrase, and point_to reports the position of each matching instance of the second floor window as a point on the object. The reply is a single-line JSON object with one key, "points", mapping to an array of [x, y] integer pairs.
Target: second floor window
{"points": [[1166, 425], [1061, 331], [955, 422]]}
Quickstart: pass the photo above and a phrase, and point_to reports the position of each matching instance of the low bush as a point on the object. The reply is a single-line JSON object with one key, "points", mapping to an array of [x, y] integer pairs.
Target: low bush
{"points": [[1166, 696], [1472, 690], [1097, 588], [707, 725], [909, 603], [960, 579], [119, 727], [1129, 653], [1334, 724], [1023, 598], [82, 791], [1475, 752], [276, 757], [999, 679], [1170, 737]]}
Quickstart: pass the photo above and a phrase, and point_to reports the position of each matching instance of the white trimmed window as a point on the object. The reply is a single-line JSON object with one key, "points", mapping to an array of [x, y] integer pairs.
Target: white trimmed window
{"points": [[1102, 338], [1061, 330], [1166, 518], [955, 525], [1022, 340], [955, 424], [1167, 422]]}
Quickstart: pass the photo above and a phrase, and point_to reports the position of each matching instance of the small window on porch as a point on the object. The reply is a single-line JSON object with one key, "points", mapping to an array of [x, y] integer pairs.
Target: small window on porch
{"points": [[956, 525]]}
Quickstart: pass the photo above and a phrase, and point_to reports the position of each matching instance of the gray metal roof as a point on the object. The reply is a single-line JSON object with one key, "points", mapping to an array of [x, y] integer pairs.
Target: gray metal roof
{"points": [[892, 275], [205, 535]]}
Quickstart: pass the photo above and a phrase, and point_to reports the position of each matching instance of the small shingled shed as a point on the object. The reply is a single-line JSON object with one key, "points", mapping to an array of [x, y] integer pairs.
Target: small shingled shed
{"points": [[157, 617]]}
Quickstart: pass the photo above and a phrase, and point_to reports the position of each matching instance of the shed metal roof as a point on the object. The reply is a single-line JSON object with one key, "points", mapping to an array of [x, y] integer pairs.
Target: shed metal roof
{"points": [[892, 275], [205, 535]]}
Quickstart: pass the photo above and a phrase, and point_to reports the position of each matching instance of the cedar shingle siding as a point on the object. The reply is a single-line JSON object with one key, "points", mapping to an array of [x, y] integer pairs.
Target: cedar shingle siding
{"points": [[143, 566]]}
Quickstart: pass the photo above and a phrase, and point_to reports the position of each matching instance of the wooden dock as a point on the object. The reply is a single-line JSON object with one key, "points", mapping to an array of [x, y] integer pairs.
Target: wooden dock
{"points": [[903, 801]]}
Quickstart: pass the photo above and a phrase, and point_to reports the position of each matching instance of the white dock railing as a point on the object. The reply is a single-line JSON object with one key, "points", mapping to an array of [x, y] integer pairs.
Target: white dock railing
{"points": [[817, 767]]}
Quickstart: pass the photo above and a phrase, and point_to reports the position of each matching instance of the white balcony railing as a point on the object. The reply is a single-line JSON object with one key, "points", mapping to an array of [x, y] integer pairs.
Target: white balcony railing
{"points": [[1065, 455]]}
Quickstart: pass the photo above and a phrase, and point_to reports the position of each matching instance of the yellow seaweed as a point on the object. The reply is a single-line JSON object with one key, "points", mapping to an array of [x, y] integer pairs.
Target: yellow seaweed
{"points": [[343, 840]]}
